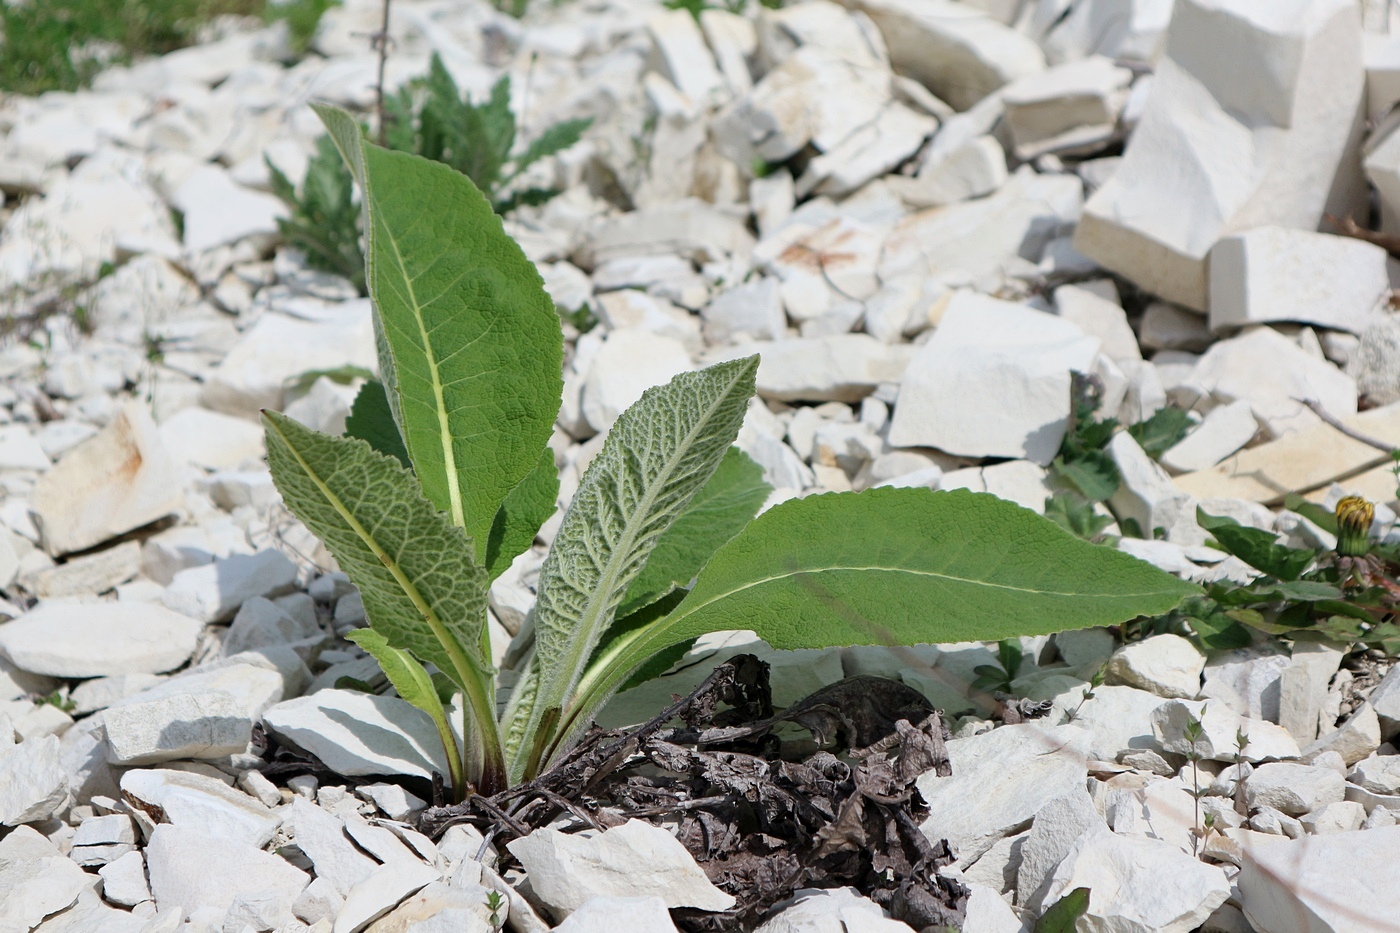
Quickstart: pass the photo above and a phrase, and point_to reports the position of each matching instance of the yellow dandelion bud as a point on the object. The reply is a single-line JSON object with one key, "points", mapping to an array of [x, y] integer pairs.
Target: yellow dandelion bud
{"points": [[1354, 515]]}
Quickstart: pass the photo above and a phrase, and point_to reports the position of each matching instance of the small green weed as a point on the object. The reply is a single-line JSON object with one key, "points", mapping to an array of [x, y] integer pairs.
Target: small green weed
{"points": [[429, 118], [302, 18], [999, 676]]}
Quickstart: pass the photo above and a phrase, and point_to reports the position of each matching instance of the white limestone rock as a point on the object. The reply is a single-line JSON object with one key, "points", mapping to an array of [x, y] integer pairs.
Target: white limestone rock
{"points": [[958, 52], [840, 368], [992, 382], [1147, 495], [211, 440], [21, 450], [1121, 29], [36, 879], [116, 481], [255, 372], [1354, 740], [1110, 865], [33, 781], [1342, 881], [104, 205], [1280, 151], [175, 727], [188, 873], [1095, 309], [358, 733], [1269, 274], [817, 96], [1020, 481], [322, 838], [214, 592], [1343, 817], [679, 49], [891, 138], [1043, 108], [383, 890], [220, 211], [1167, 327], [634, 859], [1221, 433], [1058, 824], [124, 880], [629, 362], [1000, 780], [1220, 727], [981, 240], [193, 801], [974, 169], [830, 910], [647, 914], [1167, 665], [751, 311], [98, 639], [1293, 789], [690, 229], [1379, 775], [1385, 700], [1116, 717]]}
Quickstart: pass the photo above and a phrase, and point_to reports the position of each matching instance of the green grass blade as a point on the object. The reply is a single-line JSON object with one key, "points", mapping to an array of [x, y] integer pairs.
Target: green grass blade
{"points": [[415, 686], [895, 567], [719, 511], [475, 342], [526, 507], [371, 420], [421, 587], [655, 459]]}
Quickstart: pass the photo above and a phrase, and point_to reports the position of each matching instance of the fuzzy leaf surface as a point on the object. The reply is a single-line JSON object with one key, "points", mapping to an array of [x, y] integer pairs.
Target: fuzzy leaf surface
{"points": [[657, 456], [421, 588], [719, 511]]}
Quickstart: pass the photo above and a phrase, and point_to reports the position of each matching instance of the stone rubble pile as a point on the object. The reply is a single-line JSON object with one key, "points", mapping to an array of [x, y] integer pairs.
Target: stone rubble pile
{"points": [[924, 214]]}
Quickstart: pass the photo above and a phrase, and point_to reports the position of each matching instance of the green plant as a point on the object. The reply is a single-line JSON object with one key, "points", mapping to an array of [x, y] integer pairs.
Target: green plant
{"points": [[1300, 593], [61, 44], [324, 221], [445, 476], [999, 676], [1194, 730], [427, 118], [302, 18], [1084, 470], [430, 117], [494, 903], [1064, 914]]}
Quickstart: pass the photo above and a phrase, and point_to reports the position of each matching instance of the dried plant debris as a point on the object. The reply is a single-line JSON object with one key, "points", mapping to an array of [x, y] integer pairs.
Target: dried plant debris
{"points": [[760, 823]]}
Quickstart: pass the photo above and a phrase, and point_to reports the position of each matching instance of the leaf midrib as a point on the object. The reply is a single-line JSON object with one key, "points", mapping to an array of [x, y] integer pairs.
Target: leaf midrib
{"points": [[460, 661], [454, 491], [574, 659]]}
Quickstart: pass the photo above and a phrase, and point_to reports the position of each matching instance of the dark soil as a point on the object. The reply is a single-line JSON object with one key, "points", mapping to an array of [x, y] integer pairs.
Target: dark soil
{"points": [[761, 818]]}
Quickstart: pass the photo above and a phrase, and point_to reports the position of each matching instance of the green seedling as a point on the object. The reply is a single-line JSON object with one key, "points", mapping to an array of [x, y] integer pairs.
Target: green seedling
{"points": [[446, 476]]}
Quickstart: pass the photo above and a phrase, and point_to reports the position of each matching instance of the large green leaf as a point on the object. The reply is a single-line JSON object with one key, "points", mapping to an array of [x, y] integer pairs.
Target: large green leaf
{"points": [[471, 348], [371, 420], [896, 567], [526, 507], [719, 511], [421, 587], [657, 456]]}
